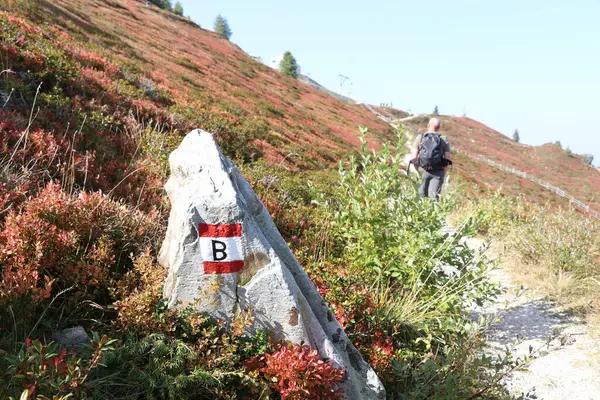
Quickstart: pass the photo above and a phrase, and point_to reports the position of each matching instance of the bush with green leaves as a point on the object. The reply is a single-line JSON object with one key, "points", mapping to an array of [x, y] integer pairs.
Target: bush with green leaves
{"points": [[50, 370], [398, 284], [390, 233]]}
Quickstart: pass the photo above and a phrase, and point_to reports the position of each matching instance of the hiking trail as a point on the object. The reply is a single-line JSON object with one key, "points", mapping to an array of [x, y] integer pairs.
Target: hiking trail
{"points": [[566, 360]]}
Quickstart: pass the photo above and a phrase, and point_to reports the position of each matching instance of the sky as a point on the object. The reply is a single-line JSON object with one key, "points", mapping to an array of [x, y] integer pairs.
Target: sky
{"points": [[531, 65]]}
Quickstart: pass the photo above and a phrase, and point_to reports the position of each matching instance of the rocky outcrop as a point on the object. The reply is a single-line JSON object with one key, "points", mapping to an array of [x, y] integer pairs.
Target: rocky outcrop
{"points": [[224, 254]]}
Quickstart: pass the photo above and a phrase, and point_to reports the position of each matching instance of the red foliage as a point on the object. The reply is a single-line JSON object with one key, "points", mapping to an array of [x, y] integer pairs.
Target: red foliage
{"points": [[300, 373], [58, 236], [22, 24], [216, 75], [92, 60], [381, 351]]}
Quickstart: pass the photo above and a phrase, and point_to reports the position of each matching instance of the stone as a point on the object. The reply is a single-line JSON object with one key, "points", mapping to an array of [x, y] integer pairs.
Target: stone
{"points": [[224, 254], [72, 337]]}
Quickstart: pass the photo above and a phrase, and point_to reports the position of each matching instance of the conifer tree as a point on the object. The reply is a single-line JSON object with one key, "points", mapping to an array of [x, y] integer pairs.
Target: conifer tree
{"points": [[178, 9], [222, 27], [436, 111], [164, 4], [516, 136], [288, 65]]}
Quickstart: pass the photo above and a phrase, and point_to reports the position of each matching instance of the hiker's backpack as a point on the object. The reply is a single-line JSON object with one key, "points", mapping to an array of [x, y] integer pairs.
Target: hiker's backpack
{"points": [[431, 152]]}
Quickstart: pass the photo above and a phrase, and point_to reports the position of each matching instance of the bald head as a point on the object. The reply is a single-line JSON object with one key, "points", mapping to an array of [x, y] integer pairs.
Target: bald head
{"points": [[433, 125]]}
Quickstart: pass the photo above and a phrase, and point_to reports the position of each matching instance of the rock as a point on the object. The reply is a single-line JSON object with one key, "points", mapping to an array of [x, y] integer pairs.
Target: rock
{"points": [[72, 337], [224, 254]]}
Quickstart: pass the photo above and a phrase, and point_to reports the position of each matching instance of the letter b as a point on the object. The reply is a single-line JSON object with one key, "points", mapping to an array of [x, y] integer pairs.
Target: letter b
{"points": [[218, 249]]}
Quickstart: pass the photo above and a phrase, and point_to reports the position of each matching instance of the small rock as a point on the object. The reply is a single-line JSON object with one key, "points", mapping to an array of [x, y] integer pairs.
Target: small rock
{"points": [[72, 337]]}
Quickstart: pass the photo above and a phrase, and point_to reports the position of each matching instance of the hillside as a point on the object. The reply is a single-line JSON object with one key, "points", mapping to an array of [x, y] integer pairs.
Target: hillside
{"points": [[94, 98], [548, 162], [224, 89]]}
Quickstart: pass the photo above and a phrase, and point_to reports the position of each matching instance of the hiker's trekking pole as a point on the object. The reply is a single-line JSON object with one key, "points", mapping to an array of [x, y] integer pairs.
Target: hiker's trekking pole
{"points": [[414, 163]]}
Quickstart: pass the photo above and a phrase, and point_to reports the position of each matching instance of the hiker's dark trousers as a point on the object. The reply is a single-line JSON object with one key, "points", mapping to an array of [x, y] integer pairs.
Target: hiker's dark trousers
{"points": [[432, 184]]}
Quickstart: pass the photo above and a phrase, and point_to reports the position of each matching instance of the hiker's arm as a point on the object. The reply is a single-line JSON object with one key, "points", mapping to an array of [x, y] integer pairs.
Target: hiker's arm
{"points": [[447, 156]]}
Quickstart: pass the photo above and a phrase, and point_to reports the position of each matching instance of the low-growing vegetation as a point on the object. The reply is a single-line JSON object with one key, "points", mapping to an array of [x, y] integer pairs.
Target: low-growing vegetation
{"points": [[555, 252], [84, 141], [93, 263]]}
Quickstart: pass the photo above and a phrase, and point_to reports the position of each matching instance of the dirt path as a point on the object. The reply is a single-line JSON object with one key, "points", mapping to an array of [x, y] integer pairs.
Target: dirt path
{"points": [[566, 366]]}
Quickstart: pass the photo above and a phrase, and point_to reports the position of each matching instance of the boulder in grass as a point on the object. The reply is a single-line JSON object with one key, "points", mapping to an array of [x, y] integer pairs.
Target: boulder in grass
{"points": [[224, 254]]}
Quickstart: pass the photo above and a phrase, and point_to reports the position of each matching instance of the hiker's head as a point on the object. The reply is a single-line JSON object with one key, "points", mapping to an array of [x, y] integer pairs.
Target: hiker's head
{"points": [[433, 125]]}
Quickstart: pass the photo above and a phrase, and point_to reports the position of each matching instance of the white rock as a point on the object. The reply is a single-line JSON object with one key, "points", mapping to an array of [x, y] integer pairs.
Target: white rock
{"points": [[207, 188]]}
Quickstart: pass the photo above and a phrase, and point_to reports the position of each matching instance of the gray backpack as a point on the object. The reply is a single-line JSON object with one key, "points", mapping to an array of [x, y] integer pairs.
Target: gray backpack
{"points": [[431, 152]]}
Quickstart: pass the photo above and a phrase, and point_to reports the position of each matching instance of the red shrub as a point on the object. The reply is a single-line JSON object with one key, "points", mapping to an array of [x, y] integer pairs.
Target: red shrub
{"points": [[76, 240], [300, 373], [88, 58], [381, 352], [22, 24]]}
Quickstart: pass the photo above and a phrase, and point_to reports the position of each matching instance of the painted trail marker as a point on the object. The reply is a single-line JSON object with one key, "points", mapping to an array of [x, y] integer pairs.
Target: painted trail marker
{"points": [[224, 254], [221, 246]]}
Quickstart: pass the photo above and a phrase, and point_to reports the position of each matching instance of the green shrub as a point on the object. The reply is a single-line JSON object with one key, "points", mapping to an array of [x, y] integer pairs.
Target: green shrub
{"points": [[51, 371], [398, 284], [495, 214]]}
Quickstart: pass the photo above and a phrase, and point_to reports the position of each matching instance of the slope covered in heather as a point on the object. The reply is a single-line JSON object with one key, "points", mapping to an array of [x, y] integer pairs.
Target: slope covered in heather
{"points": [[222, 88]]}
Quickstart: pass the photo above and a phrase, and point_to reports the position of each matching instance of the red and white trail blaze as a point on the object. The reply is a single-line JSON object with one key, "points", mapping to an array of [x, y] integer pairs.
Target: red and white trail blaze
{"points": [[221, 247]]}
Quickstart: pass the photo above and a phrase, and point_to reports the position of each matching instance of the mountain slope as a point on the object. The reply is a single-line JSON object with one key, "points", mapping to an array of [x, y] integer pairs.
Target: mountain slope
{"points": [[210, 75]]}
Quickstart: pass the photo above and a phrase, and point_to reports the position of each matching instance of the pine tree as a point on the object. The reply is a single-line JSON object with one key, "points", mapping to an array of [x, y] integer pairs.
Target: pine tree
{"points": [[436, 111], [288, 65], [516, 136], [222, 27], [164, 4], [178, 9]]}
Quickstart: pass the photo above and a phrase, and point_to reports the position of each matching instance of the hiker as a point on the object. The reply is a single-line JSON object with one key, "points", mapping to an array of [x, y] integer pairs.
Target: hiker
{"points": [[432, 153]]}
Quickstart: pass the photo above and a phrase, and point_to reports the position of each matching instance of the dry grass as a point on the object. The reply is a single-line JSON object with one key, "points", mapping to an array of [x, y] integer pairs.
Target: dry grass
{"points": [[577, 294], [556, 255]]}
